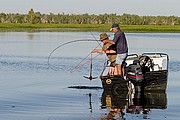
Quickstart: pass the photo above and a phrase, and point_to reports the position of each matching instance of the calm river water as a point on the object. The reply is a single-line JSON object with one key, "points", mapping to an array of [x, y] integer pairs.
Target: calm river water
{"points": [[33, 88]]}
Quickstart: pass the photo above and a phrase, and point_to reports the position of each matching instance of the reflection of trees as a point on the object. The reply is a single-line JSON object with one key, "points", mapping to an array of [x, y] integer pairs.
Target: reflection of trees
{"points": [[30, 36], [126, 19]]}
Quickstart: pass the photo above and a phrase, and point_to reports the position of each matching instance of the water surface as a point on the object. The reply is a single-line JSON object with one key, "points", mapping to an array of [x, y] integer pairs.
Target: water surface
{"points": [[31, 90]]}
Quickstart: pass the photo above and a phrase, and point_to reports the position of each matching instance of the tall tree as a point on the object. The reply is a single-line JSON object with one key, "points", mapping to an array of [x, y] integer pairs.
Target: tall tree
{"points": [[31, 16]]}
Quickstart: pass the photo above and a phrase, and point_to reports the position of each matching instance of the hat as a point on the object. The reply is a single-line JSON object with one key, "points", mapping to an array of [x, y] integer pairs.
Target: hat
{"points": [[103, 36], [114, 26]]}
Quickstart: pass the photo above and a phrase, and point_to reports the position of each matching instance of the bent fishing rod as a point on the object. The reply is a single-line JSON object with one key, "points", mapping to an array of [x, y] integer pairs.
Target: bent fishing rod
{"points": [[81, 40]]}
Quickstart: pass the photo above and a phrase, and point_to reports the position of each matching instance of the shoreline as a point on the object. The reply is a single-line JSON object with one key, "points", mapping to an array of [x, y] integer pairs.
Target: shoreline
{"points": [[87, 28]]}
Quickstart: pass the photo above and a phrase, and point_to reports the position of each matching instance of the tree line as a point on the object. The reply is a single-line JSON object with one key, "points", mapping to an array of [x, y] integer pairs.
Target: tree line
{"points": [[125, 19]]}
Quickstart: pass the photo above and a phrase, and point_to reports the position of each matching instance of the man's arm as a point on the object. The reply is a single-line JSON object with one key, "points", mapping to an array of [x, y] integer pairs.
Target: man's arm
{"points": [[109, 41], [103, 51]]}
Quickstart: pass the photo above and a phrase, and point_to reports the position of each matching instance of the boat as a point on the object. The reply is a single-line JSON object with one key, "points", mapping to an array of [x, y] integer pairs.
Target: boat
{"points": [[143, 72]]}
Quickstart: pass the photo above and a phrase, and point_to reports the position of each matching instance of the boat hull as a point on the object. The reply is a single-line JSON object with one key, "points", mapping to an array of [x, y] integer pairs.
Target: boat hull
{"points": [[115, 83], [153, 81]]}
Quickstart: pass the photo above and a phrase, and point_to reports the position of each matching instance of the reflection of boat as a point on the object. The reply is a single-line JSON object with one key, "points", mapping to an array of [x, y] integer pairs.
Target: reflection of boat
{"points": [[111, 99], [148, 71], [132, 102], [115, 103], [144, 102]]}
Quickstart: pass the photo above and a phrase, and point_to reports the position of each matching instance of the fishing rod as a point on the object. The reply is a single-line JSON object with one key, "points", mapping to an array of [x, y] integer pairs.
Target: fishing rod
{"points": [[77, 66], [90, 77], [74, 69], [81, 40], [99, 44]]}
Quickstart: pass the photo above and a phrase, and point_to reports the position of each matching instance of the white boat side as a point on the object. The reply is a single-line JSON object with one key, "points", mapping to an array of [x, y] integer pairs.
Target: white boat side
{"points": [[159, 60]]}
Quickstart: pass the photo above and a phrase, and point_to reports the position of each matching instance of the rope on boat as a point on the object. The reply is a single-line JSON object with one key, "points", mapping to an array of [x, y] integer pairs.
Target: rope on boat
{"points": [[83, 40]]}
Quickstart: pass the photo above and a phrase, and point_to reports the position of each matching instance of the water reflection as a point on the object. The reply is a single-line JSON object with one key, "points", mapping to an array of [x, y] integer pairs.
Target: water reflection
{"points": [[124, 103]]}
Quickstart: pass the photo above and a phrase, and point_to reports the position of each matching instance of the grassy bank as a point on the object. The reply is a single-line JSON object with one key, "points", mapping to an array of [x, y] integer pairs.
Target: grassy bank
{"points": [[86, 27]]}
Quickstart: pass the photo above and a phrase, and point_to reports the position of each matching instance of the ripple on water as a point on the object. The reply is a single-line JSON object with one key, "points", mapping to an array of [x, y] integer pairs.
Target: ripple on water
{"points": [[174, 66]]}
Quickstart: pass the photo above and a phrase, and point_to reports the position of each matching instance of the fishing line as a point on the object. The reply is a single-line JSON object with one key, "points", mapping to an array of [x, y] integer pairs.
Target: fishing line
{"points": [[96, 39], [77, 66], [74, 69], [82, 40]]}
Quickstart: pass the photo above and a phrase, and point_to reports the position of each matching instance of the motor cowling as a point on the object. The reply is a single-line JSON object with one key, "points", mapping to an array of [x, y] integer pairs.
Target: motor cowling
{"points": [[134, 73]]}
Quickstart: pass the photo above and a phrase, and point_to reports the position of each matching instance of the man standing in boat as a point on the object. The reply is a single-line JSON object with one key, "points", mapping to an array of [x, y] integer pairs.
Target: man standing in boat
{"points": [[110, 50], [121, 47]]}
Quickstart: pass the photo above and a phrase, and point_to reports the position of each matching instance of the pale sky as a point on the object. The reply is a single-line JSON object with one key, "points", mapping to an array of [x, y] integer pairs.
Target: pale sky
{"points": [[138, 7]]}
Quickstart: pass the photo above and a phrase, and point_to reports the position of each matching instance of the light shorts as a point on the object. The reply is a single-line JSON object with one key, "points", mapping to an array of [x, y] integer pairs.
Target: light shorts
{"points": [[120, 58]]}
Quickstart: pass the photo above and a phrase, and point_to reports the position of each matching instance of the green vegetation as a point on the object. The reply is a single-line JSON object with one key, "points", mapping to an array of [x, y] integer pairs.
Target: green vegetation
{"points": [[53, 27], [35, 21], [86, 27], [150, 28]]}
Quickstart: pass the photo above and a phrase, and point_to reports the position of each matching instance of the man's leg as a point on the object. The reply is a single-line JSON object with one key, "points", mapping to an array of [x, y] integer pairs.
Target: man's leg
{"points": [[119, 60], [122, 70], [118, 68], [115, 70], [111, 70]]}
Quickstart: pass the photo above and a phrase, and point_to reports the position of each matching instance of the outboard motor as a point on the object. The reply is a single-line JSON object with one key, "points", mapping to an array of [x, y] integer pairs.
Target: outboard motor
{"points": [[134, 73]]}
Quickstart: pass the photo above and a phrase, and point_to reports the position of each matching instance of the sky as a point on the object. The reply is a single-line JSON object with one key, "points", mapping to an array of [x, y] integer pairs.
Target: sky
{"points": [[138, 7]]}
